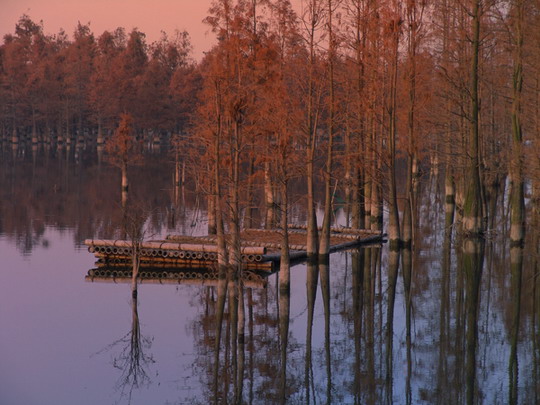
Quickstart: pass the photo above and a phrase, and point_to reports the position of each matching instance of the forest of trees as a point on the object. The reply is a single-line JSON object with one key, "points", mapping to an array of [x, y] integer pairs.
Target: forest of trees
{"points": [[360, 96], [349, 100]]}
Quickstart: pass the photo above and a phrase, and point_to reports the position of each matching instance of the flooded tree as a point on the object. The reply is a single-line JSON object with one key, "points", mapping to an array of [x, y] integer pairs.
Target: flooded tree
{"points": [[133, 359], [123, 150], [102, 91], [393, 34], [324, 246], [473, 207], [415, 32], [279, 117], [312, 19], [21, 52], [80, 55], [517, 191]]}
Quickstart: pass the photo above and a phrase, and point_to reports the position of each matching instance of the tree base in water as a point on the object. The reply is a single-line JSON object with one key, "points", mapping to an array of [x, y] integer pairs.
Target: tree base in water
{"points": [[473, 226], [395, 244], [517, 235]]}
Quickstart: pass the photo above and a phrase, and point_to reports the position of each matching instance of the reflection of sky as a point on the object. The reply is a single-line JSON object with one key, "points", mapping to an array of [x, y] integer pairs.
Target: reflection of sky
{"points": [[53, 322]]}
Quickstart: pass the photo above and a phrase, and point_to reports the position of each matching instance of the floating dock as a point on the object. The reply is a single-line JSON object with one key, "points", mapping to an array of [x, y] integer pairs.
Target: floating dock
{"points": [[261, 250]]}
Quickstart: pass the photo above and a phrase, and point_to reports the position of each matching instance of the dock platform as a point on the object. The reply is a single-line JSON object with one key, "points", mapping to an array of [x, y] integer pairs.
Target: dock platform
{"points": [[261, 249]]}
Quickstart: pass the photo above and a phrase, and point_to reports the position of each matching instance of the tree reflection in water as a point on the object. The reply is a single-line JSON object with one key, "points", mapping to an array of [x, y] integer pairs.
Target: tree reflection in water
{"points": [[393, 266], [447, 332], [357, 264], [407, 281], [312, 278], [516, 263], [444, 338], [471, 266], [131, 358], [324, 274], [284, 320]]}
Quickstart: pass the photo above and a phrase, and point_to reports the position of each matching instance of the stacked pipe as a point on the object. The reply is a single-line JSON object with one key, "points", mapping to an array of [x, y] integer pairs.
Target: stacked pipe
{"points": [[159, 249], [193, 275], [266, 266], [177, 256]]}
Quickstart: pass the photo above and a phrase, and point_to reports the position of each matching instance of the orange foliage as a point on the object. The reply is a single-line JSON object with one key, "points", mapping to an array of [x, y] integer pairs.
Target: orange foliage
{"points": [[122, 148]]}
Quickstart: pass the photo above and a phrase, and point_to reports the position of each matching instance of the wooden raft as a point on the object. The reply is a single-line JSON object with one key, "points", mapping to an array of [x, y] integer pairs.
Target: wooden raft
{"points": [[261, 249]]}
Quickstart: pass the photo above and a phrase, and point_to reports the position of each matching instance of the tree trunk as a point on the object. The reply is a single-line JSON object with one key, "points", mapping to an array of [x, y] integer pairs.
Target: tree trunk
{"points": [[270, 204], [517, 197], [125, 184], [212, 214], [234, 225], [248, 221], [324, 247], [412, 165], [394, 235], [312, 231], [223, 256], [472, 209]]}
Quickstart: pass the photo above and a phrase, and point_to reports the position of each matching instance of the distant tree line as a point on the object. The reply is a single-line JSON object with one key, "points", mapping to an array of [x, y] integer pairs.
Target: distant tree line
{"points": [[56, 89]]}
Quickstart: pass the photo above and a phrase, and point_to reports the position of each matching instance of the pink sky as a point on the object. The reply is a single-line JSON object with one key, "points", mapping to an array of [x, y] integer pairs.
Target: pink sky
{"points": [[149, 16]]}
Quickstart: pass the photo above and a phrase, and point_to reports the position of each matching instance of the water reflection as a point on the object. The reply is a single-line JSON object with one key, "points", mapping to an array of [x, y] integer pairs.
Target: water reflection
{"points": [[284, 320], [357, 265], [472, 261], [324, 274], [444, 337], [130, 355], [55, 189], [448, 321], [516, 266], [312, 280], [372, 269], [407, 280], [392, 276]]}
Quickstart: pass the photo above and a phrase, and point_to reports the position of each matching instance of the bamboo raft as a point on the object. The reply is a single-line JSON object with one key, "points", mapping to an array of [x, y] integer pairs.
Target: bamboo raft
{"points": [[260, 249]]}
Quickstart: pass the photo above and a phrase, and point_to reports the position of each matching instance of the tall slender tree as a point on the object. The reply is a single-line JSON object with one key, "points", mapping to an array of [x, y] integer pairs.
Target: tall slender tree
{"points": [[517, 198], [473, 207]]}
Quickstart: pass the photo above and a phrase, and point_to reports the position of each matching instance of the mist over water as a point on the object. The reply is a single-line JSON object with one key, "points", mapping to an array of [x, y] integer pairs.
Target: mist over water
{"points": [[448, 322]]}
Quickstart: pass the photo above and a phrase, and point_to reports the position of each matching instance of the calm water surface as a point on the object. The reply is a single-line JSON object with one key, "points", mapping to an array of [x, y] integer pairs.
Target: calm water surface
{"points": [[448, 323]]}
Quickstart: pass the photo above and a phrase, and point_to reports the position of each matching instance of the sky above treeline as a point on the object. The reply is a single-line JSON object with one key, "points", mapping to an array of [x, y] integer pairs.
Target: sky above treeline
{"points": [[149, 16]]}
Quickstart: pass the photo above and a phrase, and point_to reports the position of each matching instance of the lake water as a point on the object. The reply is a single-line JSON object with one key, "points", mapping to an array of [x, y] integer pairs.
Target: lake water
{"points": [[448, 323]]}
